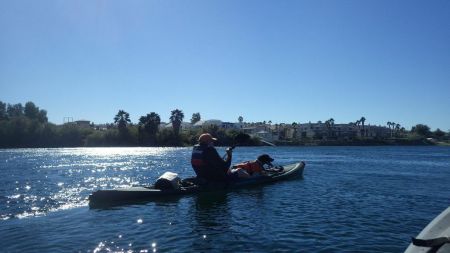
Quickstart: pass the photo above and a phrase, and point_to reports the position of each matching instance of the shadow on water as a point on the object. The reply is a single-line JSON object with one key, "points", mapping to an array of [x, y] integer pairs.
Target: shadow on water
{"points": [[210, 219], [209, 200], [120, 204], [220, 217]]}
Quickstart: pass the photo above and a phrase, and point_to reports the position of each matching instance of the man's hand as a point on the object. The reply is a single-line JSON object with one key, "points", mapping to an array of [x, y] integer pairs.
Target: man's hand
{"points": [[229, 151]]}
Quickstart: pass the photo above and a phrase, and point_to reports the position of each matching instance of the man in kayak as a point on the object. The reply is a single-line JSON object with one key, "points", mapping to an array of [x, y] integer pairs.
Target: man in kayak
{"points": [[207, 163], [252, 168]]}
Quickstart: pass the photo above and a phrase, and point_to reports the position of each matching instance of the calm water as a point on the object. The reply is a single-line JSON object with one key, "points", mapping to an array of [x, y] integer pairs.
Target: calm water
{"points": [[351, 199]]}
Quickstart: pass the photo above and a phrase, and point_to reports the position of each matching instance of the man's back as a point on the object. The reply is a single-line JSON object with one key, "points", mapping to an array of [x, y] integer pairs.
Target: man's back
{"points": [[208, 164]]}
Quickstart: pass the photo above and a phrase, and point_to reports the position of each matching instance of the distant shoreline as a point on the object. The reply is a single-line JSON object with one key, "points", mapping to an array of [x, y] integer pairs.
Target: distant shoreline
{"points": [[28, 127], [364, 142], [355, 143]]}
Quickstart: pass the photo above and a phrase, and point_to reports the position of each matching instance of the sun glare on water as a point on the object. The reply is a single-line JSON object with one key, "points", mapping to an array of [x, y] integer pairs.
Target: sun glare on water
{"points": [[108, 152]]}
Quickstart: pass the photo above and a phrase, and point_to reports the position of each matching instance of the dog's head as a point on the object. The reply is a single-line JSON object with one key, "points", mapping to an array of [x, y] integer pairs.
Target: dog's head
{"points": [[265, 159]]}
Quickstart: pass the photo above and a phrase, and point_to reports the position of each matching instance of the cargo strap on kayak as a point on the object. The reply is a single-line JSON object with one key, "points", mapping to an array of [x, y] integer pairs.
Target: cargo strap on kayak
{"points": [[434, 244]]}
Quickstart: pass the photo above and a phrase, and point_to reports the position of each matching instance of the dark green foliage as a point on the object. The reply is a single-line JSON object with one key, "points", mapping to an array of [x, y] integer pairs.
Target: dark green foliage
{"points": [[439, 134], [195, 118], [24, 132], [49, 136], [31, 111], [42, 116], [3, 113], [15, 131], [422, 130], [168, 137], [28, 127], [71, 135], [15, 110], [317, 136], [105, 138]]}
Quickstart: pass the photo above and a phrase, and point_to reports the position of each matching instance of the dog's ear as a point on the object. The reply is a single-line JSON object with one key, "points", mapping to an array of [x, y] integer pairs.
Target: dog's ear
{"points": [[265, 158]]}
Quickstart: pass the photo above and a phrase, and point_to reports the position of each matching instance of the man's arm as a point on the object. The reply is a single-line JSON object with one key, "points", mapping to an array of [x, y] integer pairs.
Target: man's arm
{"points": [[213, 158]]}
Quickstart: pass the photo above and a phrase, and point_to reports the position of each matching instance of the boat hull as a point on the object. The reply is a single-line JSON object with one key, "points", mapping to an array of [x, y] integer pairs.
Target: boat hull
{"points": [[102, 198]]}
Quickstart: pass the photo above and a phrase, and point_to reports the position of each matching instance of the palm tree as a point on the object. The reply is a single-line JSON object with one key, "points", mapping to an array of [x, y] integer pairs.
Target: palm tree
{"points": [[362, 120], [294, 126], [397, 129], [393, 128], [389, 125], [150, 122], [122, 118], [176, 118], [330, 124], [357, 123]]}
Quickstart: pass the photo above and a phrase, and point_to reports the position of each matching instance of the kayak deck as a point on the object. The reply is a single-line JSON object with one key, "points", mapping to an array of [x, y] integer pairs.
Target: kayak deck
{"points": [[109, 197], [438, 228]]}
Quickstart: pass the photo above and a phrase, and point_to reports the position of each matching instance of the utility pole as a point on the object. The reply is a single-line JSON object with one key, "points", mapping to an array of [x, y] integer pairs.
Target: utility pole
{"points": [[67, 120]]}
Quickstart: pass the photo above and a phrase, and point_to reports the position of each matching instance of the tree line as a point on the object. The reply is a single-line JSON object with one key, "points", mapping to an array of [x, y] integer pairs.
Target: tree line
{"points": [[28, 126]]}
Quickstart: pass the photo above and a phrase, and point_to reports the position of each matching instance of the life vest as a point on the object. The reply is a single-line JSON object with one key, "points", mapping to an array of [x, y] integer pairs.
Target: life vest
{"points": [[197, 158], [203, 164], [250, 166]]}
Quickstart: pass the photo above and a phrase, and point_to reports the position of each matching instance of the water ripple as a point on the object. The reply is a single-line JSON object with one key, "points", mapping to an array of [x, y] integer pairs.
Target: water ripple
{"points": [[351, 199]]}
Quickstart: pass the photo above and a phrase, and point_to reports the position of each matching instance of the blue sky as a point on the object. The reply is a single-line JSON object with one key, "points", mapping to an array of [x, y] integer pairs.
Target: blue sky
{"points": [[282, 61]]}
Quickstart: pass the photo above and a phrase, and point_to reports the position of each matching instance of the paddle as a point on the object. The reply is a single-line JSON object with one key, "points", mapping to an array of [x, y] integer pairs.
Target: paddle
{"points": [[239, 139]]}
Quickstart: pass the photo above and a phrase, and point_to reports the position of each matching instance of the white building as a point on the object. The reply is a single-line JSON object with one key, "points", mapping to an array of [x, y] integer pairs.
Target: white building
{"points": [[217, 123], [83, 123], [184, 126]]}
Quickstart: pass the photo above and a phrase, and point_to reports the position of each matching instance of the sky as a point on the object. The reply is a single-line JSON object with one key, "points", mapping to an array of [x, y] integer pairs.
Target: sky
{"points": [[281, 61]]}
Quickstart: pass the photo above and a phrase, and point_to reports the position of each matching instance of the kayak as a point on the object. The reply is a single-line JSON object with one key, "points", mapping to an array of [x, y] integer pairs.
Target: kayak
{"points": [[435, 237], [102, 198]]}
